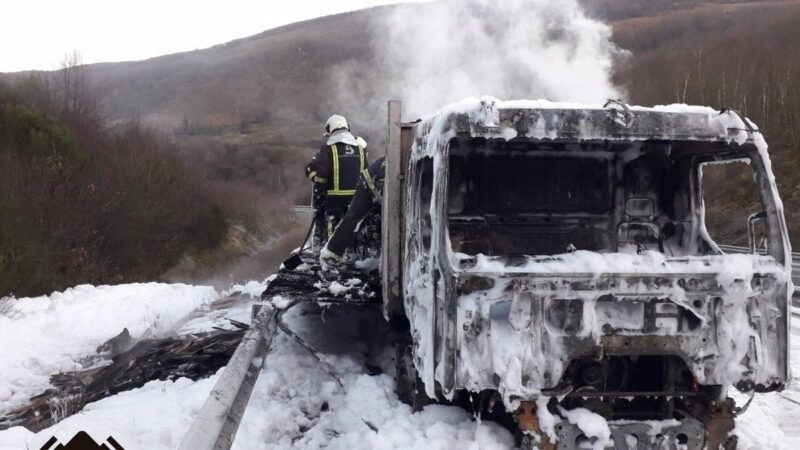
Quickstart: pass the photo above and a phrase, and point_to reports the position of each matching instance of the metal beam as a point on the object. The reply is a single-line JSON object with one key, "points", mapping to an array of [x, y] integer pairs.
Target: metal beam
{"points": [[391, 223], [216, 425]]}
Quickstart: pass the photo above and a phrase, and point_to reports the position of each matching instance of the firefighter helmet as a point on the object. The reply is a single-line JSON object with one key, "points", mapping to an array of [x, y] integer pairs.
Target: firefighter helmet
{"points": [[335, 122]]}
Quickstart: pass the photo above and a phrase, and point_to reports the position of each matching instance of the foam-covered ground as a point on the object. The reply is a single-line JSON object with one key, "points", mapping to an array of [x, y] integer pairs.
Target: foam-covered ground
{"points": [[295, 404], [45, 335]]}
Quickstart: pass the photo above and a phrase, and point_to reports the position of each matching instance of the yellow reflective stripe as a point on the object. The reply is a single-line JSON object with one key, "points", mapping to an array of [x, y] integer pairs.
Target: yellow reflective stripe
{"points": [[330, 227], [336, 175], [370, 183], [335, 151], [320, 180], [312, 175]]}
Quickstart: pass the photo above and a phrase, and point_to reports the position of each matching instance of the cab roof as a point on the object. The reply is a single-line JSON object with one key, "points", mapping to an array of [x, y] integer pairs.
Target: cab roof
{"points": [[541, 120]]}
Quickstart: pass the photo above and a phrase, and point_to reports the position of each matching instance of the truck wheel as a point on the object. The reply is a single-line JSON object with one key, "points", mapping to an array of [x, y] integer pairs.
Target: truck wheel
{"points": [[408, 385]]}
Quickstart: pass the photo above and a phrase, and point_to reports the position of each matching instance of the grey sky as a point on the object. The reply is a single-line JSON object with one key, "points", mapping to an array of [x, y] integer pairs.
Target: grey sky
{"points": [[36, 34]]}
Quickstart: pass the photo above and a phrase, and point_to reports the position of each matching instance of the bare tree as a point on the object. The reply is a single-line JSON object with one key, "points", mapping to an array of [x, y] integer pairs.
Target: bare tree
{"points": [[75, 97]]}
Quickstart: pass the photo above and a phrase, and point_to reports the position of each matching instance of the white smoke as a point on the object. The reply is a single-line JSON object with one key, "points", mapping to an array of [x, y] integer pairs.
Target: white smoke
{"points": [[433, 54]]}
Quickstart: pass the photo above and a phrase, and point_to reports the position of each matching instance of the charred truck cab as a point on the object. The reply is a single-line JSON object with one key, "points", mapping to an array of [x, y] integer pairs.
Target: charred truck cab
{"points": [[557, 257]]}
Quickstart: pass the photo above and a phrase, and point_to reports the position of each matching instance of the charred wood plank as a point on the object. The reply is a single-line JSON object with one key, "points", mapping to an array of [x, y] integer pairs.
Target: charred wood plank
{"points": [[307, 283], [193, 357]]}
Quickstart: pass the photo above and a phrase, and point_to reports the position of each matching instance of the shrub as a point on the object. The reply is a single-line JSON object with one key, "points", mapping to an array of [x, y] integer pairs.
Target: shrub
{"points": [[209, 228], [80, 203]]}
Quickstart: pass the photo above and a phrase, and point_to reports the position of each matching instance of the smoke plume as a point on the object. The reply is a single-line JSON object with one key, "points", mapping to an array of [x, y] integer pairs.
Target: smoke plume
{"points": [[430, 55]]}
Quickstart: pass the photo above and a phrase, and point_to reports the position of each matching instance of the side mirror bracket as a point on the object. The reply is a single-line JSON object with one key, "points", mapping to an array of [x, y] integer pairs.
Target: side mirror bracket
{"points": [[751, 229]]}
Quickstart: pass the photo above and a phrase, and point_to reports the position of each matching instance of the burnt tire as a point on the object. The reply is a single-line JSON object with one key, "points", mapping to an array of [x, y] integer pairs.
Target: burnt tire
{"points": [[408, 385]]}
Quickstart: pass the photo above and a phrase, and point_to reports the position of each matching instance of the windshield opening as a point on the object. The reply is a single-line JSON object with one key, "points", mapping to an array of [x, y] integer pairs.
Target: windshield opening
{"points": [[513, 197], [730, 199]]}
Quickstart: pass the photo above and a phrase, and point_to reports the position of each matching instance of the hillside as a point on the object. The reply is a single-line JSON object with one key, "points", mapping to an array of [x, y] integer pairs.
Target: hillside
{"points": [[249, 111], [284, 74], [276, 75], [616, 10]]}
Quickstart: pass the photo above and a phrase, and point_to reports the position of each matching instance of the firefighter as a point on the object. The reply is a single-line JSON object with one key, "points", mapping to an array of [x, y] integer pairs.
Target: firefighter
{"points": [[335, 172], [368, 193]]}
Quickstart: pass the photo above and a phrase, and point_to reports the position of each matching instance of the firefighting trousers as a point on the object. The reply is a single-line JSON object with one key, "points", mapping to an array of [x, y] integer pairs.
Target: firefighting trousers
{"points": [[345, 232]]}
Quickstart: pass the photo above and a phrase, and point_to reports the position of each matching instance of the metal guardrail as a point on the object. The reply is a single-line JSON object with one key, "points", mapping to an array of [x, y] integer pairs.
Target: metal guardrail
{"points": [[738, 249], [795, 262], [302, 209], [216, 425], [302, 212]]}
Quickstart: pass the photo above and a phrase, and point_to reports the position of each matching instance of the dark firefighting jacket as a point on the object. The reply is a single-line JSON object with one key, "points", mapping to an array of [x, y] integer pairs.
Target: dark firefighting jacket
{"points": [[338, 165]]}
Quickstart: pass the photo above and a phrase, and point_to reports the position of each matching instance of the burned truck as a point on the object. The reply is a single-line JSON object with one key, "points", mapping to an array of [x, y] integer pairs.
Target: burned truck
{"points": [[557, 257]]}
